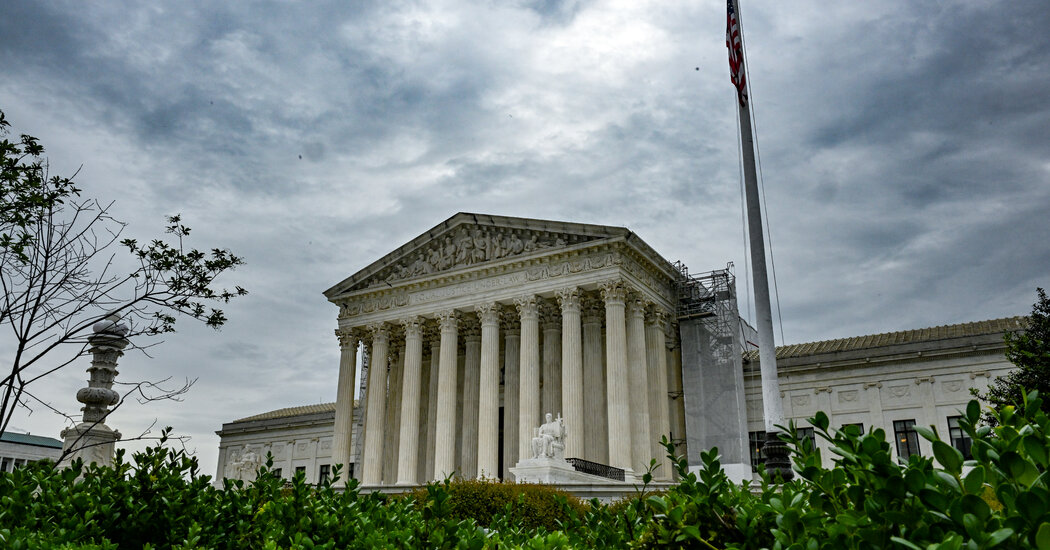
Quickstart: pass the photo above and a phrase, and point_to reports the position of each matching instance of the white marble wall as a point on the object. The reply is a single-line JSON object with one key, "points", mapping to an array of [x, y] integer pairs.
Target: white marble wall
{"points": [[913, 386]]}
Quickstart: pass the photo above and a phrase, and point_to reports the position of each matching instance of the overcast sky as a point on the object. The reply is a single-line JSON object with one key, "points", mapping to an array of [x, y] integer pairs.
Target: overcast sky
{"points": [[905, 150]]}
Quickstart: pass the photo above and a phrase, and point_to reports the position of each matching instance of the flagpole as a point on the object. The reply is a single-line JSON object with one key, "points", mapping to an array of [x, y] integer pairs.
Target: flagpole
{"points": [[774, 450]]}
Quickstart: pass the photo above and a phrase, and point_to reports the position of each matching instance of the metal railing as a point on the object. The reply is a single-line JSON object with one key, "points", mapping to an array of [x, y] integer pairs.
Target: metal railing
{"points": [[593, 468]]}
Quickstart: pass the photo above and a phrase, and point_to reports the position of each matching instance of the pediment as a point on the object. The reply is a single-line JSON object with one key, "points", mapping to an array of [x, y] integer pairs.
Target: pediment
{"points": [[466, 241]]}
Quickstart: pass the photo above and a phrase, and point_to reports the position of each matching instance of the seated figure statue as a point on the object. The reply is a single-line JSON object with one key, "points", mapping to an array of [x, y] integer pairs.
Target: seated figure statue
{"points": [[549, 441]]}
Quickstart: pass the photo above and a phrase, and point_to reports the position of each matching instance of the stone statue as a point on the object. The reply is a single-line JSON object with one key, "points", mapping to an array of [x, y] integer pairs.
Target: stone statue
{"points": [[245, 468], [550, 439]]}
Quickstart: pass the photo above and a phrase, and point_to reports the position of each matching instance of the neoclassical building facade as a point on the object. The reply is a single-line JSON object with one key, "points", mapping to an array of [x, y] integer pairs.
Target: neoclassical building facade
{"points": [[466, 336], [477, 328]]}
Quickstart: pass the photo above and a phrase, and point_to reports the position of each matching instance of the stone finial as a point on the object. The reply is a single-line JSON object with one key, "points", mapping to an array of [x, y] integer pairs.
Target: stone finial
{"points": [[92, 439]]}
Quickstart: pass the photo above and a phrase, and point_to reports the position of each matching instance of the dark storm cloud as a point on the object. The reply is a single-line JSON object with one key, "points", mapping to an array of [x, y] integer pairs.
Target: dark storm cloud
{"points": [[903, 146]]}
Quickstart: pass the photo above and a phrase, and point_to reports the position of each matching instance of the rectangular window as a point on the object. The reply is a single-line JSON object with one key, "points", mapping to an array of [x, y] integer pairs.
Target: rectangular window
{"points": [[300, 470], [959, 438], [807, 434], [756, 441], [350, 471], [326, 470], [276, 472], [858, 425], [907, 438]]}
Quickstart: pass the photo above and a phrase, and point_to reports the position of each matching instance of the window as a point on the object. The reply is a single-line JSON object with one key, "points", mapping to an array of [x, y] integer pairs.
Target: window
{"points": [[350, 471], [5, 465], [806, 434], [300, 470], [756, 441], [277, 472], [906, 437], [858, 425], [959, 438], [326, 470]]}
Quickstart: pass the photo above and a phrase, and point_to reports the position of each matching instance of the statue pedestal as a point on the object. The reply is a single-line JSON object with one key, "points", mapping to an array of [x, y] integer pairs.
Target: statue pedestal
{"points": [[552, 471], [92, 443]]}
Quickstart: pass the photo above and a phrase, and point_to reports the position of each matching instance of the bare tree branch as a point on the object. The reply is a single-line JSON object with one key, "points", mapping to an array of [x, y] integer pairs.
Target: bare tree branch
{"points": [[62, 271]]}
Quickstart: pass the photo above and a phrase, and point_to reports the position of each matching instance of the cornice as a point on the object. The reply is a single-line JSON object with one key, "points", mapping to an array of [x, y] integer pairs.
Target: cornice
{"points": [[549, 264]]}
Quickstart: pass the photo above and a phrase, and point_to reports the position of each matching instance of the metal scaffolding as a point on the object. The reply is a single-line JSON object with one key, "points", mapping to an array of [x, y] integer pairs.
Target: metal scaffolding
{"points": [[711, 297], [712, 374]]}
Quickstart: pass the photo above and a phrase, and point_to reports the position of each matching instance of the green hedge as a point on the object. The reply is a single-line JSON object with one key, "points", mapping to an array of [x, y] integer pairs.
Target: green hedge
{"points": [[526, 505], [867, 500]]}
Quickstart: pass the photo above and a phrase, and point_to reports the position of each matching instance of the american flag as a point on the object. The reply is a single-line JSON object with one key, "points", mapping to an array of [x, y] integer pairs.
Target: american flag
{"points": [[736, 53]]}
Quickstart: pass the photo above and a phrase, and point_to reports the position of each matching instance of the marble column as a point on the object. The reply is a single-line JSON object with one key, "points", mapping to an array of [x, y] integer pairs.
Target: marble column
{"points": [[596, 435], [468, 467], [432, 402], [572, 372], [372, 472], [488, 399], [529, 379], [550, 319], [344, 402], [638, 379], [618, 398], [659, 418], [424, 412], [511, 374], [391, 432], [674, 377], [445, 441], [408, 447]]}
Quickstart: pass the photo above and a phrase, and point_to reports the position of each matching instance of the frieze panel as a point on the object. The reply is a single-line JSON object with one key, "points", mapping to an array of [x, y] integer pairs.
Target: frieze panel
{"points": [[470, 245], [470, 287], [847, 396], [540, 271], [361, 306], [646, 277]]}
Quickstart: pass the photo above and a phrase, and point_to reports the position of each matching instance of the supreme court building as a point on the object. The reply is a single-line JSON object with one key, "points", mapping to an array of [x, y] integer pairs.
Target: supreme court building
{"points": [[469, 334], [477, 328]]}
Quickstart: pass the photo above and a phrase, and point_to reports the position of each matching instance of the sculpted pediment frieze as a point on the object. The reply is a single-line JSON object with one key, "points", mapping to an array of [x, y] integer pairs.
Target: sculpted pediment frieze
{"points": [[466, 246]]}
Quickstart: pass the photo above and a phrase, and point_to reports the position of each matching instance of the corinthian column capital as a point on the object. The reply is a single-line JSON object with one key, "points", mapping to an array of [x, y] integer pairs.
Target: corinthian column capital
{"points": [[613, 291], [347, 338], [448, 320], [528, 307], [591, 309], [413, 327], [489, 313], [656, 316], [510, 322], [470, 329], [550, 316], [636, 306], [569, 298], [379, 332]]}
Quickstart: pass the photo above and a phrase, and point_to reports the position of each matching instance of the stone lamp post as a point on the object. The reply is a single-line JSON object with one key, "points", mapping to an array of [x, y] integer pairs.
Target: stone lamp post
{"points": [[92, 440]]}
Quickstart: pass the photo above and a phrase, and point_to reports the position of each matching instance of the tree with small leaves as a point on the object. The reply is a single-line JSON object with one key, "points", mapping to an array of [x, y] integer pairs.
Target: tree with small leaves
{"points": [[1029, 350], [61, 272]]}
